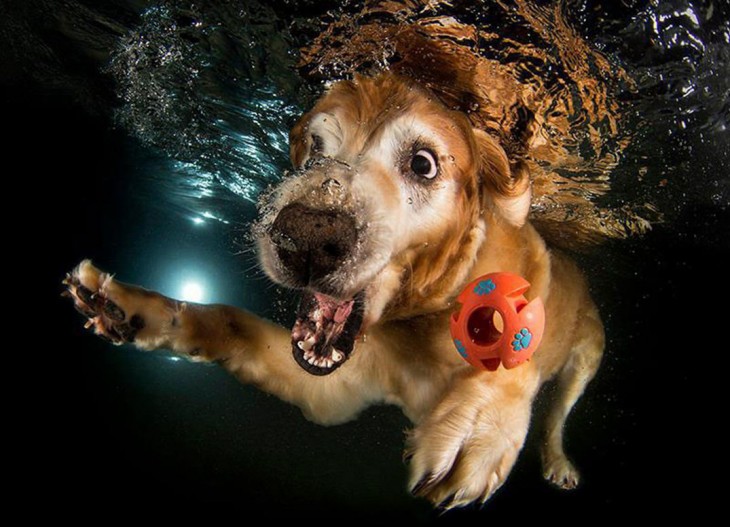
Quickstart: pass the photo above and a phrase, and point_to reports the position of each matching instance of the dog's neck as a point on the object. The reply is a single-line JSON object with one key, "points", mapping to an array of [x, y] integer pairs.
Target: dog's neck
{"points": [[515, 249], [492, 244]]}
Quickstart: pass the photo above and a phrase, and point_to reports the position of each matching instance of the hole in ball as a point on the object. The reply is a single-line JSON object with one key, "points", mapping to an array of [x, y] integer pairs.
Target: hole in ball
{"points": [[485, 326]]}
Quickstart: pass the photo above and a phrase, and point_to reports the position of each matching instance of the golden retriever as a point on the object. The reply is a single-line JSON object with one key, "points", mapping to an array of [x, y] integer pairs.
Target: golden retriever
{"points": [[396, 203]]}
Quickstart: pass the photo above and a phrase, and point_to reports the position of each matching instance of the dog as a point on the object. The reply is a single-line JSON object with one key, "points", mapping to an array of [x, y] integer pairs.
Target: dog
{"points": [[396, 203]]}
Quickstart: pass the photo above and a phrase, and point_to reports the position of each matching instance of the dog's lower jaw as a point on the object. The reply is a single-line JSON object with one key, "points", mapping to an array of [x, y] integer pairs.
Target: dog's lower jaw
{"points": [[323, 336]]}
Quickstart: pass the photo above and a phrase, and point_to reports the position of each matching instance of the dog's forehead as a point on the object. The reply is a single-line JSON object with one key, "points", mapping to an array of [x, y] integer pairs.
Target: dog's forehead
{"points": [[369, 108]]}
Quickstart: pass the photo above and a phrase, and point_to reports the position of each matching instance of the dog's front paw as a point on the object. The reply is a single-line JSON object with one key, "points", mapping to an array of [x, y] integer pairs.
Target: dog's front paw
{"points": [[464, 452], [93, 294]]}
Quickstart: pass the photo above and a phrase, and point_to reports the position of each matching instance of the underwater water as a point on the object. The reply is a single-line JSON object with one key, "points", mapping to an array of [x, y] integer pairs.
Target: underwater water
{"points": [[140, 134]]}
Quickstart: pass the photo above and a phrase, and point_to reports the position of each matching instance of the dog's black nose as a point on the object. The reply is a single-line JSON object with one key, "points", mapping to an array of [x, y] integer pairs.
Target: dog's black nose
{"points": [[312, 243]]}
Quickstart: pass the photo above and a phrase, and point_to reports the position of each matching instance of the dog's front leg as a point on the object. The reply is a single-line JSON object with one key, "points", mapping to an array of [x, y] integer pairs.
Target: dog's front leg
{"points": [[464, 450], [255, 350]]}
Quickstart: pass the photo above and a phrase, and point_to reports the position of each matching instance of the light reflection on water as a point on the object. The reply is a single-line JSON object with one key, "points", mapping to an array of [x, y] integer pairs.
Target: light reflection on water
{"points": [[213, 88]]}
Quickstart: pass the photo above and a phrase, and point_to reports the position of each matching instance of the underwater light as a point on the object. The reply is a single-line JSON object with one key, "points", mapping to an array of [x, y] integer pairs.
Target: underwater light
{"points": [[198, 221], [192, 292]]}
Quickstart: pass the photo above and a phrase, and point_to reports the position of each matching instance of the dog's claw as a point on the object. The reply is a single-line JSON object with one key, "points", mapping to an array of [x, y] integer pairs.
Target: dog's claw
{"points": [[447, 503], [424, 484]]}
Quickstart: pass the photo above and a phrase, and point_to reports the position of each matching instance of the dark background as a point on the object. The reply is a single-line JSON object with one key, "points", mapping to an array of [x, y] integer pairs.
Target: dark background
{"points": [[96, 427]]}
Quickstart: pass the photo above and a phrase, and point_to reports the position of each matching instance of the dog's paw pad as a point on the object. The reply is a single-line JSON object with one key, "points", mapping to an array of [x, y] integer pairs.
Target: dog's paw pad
{"points": [[89, 289], [113, 311]]}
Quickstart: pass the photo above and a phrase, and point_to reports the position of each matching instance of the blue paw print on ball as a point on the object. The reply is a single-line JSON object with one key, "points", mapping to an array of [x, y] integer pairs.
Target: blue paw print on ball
{"points": [[522, 340], [485, 287], [460, 347]]}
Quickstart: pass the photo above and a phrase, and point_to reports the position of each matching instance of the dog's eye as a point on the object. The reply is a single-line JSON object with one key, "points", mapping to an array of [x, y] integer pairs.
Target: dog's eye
{"points": [[423, 164], [317, 145]]}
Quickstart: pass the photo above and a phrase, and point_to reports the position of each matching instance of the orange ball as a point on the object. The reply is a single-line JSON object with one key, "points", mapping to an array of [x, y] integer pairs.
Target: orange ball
{"points": [[496, 324]]}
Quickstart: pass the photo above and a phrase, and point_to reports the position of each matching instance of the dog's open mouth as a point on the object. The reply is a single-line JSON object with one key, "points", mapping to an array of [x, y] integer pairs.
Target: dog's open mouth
{"points": [[324, 333]]}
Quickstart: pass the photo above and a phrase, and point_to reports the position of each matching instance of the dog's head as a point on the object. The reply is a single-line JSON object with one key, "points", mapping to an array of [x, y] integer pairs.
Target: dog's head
{"points": [[384, 214]]}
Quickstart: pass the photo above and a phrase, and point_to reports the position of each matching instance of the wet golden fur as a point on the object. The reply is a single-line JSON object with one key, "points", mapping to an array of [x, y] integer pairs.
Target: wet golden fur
{"points": [[468, 425]]}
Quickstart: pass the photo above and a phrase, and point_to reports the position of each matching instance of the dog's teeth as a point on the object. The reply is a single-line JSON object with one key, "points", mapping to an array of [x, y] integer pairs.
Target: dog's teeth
{"points": [[306, 345], [89, 323], [321, 362]]}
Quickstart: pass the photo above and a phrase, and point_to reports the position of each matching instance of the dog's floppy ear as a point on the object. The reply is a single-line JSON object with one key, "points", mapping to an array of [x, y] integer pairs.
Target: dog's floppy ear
{"points": [[506, 185]]}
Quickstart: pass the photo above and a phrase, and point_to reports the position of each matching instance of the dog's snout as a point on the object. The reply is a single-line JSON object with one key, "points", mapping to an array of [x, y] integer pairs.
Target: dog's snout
{"points": [[312, 243]]}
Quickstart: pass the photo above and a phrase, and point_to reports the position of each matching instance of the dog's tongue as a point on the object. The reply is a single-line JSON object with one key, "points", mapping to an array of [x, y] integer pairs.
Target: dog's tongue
{"points": [[334, 309], [319, 325]]}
